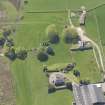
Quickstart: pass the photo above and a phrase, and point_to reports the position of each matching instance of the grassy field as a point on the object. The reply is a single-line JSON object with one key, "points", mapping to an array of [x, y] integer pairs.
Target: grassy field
{"points": [[35, 5], [31, 83], [95, 27], [100, 16], [10, 10]]}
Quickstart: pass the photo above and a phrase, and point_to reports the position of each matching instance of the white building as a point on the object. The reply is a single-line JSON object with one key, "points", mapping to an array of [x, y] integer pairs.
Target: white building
{"points": [[83, 17]]}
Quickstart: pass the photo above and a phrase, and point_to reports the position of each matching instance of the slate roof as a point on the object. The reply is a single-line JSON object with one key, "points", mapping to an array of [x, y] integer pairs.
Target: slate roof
{"points": [[88, 95]]}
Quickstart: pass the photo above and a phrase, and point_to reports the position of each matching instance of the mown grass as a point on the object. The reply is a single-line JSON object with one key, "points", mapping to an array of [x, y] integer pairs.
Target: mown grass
{"points": [[100, 14], [36, 5], [95, 26], [31, 83]]}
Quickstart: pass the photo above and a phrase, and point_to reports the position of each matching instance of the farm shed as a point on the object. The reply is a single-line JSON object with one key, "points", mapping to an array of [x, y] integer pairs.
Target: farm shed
{"points": [[88, 95]]}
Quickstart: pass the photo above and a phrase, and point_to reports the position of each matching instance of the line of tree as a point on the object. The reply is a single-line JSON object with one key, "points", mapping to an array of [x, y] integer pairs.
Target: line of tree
{"points": [[70, 34], [12, 54]]}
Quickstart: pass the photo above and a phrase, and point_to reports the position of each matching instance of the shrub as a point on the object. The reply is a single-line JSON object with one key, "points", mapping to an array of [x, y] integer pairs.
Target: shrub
{"points": [[50, 51], [45, 69], [76, 73], [69, 85], [11, 54], [70, 35], [52, 34], [84, 82], [10, 42], [22, 54], [6, 33], [26, 2], [42, 55], [45, 44], [51, 89], [2, 41]]}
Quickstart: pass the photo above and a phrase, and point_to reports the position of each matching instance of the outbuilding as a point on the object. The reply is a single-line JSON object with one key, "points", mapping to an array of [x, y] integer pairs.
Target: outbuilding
{"points": [[88, 95]]}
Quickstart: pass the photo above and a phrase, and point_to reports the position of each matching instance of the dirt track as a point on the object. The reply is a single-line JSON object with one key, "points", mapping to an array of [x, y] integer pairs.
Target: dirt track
{"points": [[16, 3], [7, 94]]}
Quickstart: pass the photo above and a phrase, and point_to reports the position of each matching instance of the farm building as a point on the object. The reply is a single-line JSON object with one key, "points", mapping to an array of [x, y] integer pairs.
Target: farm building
{"points": [[82, 17], [88, 95], [57, 79], [81, 46]]}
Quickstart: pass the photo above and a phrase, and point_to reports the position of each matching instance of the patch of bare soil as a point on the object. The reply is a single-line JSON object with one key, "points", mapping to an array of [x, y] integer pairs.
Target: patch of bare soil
{"points": [[7, 92]]}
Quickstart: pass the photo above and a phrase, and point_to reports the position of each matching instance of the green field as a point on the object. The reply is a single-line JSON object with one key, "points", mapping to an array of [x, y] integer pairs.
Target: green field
{"points": [[35, 5], [31, 83], [10, 10], [95, 27]]}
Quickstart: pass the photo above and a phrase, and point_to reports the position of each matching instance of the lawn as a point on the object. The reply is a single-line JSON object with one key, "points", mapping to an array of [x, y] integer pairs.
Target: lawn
{"points": [[95, 27], [36, 5], [31, 83], [101, 24]]}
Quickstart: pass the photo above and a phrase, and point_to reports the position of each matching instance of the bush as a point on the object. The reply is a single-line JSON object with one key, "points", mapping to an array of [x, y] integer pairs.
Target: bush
{"points": [[70, 35], [42, 55], [6, 33], [52, 34], [45, 69], [84, 82], [10, 42], [69, 85], [51, 89], [22, 54], [50, 51], [76, 73], [11, 54], [2, 41], [25, 2], [45, 44]]}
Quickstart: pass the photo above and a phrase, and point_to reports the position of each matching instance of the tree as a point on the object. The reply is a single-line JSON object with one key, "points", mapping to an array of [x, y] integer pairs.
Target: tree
{"points": [[76, 73], [45, 69], [52, 34], [11, 54], [70, 35], [51, 89], [50, 51], [10, 42], [69, 85], [22, 54], [26, 2], [6, 33], [42, 55], [84, 82], [2, 41]]}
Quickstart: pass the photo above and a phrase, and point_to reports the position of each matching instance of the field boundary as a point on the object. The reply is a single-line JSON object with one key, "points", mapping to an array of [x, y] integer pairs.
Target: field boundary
{"points": [[98, 6], [65, 10]]}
